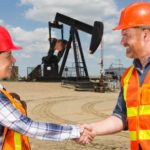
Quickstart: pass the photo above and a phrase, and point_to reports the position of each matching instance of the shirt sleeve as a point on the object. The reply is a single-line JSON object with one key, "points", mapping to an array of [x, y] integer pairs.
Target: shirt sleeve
{"points": [[120, 110], [11, 118]]}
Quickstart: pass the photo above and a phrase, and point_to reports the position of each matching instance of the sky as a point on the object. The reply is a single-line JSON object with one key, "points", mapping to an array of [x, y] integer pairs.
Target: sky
{"points": [[27, 22]]}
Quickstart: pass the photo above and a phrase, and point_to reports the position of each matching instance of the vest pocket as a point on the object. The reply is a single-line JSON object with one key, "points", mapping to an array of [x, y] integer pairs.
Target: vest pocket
{"points": [[145, 95]]}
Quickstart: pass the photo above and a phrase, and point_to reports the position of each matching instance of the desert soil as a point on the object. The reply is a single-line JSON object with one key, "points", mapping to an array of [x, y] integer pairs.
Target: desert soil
{"points": [[49, 102]]}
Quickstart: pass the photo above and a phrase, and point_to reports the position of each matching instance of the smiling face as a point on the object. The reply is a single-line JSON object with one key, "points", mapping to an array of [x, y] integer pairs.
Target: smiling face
{"points": [[133, 40], [6, 62]]}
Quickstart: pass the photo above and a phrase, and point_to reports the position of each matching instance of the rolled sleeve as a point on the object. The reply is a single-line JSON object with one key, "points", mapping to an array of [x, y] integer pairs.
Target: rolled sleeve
{"points": [[120, 110]]}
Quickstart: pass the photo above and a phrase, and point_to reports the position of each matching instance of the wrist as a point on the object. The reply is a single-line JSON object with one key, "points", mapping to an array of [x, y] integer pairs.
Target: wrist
{"points": [[92, 125]]}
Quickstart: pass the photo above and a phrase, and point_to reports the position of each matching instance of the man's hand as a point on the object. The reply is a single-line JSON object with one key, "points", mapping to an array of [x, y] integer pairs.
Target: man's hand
{"points": [[86, 134]]}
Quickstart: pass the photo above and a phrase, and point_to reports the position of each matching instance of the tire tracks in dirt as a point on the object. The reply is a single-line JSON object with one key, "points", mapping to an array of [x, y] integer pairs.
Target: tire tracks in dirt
{"points": [[45, 109]]}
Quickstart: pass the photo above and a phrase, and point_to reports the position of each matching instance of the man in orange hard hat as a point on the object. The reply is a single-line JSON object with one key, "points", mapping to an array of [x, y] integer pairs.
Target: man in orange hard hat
{"points": [[132, 111], [15, 126]]}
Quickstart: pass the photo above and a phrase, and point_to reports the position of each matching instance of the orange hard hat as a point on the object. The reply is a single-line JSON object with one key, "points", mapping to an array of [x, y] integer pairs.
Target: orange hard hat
{"points": [[135, 15], [6, 43]]}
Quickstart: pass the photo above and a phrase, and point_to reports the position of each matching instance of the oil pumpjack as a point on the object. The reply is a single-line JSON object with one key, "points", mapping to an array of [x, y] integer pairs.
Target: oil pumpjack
{"points": [[50, 69]]}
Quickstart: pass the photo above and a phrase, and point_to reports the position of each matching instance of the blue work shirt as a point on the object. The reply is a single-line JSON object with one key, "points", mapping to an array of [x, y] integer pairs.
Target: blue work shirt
{"points": [[120, 110]]}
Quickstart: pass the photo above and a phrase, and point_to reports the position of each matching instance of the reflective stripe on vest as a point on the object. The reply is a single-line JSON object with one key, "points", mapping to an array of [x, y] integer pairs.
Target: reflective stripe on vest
{"points": [[126, 80], [17, 140], [143, 135], [143, 110]]}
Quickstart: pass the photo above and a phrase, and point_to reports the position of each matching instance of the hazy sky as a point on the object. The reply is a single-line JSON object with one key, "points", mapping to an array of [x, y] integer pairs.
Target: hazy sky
{"points": [[27, 22]]}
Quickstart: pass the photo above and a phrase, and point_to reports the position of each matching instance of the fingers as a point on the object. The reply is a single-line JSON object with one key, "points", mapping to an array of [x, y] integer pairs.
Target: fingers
{"points": [[89, 130], [86, 134], [87, 137]]}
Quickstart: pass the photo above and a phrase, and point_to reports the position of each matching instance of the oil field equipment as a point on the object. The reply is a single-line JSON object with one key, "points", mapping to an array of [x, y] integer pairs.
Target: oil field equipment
{"points": [[50, 69], [15, 73]]}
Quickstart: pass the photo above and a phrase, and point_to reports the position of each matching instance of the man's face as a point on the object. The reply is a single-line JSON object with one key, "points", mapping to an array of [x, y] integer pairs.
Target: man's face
{"points": [[6, 62], [132, 40]]}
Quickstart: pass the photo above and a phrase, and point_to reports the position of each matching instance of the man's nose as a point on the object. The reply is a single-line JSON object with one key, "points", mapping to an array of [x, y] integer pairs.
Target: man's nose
{"points": [[123, 41]]}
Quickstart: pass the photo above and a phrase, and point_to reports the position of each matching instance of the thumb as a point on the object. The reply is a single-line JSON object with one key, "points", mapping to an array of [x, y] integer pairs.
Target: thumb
{"points": [[86, 126]]}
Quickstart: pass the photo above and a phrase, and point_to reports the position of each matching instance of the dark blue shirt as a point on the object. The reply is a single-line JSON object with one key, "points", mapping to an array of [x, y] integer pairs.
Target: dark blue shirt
{"points": [[120, 110]]}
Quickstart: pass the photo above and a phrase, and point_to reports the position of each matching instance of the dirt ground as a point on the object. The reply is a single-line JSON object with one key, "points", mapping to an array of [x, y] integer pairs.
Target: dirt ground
{"points": [[49, 102]]}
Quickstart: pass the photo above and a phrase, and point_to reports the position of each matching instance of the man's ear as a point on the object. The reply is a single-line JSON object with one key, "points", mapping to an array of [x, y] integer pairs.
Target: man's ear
{"points": [[146, 34]]}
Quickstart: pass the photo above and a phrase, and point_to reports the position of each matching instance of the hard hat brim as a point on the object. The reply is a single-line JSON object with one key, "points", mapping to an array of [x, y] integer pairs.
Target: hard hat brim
{"points": [[17, 48], [12, 48], [118, 28], [121, 27]]}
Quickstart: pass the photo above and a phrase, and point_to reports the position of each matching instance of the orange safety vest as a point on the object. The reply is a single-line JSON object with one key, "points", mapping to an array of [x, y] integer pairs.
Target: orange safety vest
{"points": [[13, 140], [137, 100]]}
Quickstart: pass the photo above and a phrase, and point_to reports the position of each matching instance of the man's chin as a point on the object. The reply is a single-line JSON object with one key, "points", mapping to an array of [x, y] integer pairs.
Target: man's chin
{"points": [[7, 76], [129, 55]]}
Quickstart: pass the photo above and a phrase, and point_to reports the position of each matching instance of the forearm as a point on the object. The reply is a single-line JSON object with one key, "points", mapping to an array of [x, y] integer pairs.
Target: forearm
{"points": [[54, 132], [110, 125], [45, 131]]}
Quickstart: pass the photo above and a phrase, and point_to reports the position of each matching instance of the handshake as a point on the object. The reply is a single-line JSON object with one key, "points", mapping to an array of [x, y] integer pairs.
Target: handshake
{"points": [[87, 134]]}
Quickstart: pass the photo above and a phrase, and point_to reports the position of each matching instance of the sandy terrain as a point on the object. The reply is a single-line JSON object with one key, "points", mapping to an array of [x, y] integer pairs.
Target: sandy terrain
{"points": [[52, 103]]}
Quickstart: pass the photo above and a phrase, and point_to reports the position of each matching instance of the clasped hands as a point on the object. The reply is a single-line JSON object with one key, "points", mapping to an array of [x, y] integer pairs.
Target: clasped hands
{"points": [[87, 134]]}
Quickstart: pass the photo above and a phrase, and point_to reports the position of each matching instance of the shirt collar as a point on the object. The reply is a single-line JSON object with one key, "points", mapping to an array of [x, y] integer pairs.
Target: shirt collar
{"points": [[137, 64]]}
